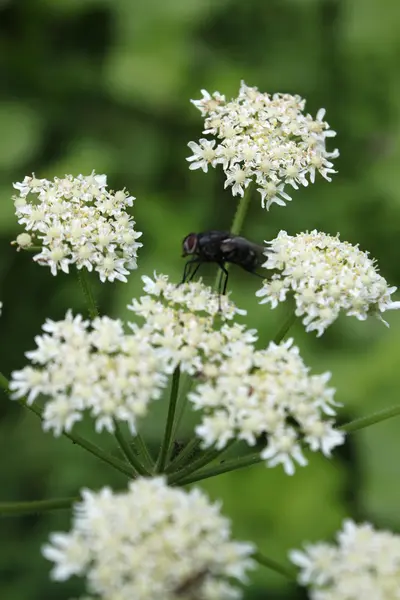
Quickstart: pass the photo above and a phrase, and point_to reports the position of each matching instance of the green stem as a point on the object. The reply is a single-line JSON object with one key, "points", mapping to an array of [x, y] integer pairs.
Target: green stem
{"points": [[363, 422], [142, 450], [241, 211], [224, 467], [185, 385], [12, 509], [166, 443], [87, 292], [119, 465], [270, 563], [187, 451], [128, 451], [202, 461], [34, 249], [76, 439], [285, 328]]}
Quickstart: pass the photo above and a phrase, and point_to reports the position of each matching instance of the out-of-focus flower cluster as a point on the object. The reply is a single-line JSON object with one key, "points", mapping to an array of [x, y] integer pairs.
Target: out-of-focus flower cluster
{"points": [[151, 542], [325, 276], [78, 221], [93, 367], [263, 138], [269, 392], [365, 563]]}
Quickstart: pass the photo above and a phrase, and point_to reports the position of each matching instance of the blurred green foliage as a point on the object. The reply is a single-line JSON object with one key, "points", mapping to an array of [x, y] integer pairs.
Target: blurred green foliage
{"points": [[105, 85]]}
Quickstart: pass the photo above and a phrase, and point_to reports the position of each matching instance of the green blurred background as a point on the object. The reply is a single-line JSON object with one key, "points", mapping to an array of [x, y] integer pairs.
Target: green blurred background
{"points": [[105, 85]]}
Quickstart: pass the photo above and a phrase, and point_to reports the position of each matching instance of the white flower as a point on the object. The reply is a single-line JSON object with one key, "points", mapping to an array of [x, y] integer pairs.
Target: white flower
{"points": [[151, 542], [248, 393], [94, 367], [1, 307], [263, 138], [78, 221], [325, 276], [203, 154], [365, 563]]}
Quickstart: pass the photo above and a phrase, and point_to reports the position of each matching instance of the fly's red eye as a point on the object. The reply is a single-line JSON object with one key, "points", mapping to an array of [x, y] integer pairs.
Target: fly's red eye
{"points": [[190, 244]]}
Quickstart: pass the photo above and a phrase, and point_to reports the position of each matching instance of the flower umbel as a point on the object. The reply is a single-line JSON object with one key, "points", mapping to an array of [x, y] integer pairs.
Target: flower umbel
{"points": [[265, 139], [151, 542], [78, 221], [365, 563], [325, 276], [249, 392], [93, 367], [96, 367]]}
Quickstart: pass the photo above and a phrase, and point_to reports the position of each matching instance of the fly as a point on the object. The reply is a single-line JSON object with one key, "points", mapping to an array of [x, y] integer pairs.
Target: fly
{"points": [[220, 247]]}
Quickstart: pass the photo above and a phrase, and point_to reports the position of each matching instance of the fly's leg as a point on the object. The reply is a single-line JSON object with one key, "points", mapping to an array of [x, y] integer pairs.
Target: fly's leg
{"points": [[188, 273], [222, 287], [223, 282]]}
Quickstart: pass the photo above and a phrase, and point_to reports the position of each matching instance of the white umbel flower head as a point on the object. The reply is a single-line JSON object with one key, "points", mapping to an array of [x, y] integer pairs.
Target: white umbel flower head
{"points": [[180, 322], [78, 221], [264, 139], [325, 276], [151, 542], [94, 367], [249, 392], [365, 563]]}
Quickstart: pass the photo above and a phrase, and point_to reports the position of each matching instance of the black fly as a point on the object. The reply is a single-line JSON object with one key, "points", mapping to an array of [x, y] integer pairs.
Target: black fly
{"points": [[220, 247]]}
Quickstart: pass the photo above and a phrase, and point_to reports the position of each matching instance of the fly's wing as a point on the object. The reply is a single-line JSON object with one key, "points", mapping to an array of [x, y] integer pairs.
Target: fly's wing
{"points": [[242, 252], [210, 245]]}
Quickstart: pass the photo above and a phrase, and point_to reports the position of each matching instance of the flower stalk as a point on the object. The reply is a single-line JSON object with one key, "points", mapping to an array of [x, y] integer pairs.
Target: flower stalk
{"points": [[14, 509], [128, 451], [166, 443], [87, 292]]}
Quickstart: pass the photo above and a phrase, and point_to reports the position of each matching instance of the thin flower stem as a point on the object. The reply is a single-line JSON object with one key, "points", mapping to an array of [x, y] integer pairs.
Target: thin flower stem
{"points": [[166, 443], [119, 465], [270, 563], [224, 467], [186, 453], [185, 386], [128, 451], [87, 292], [202, 461], [12, 509], [140, 445], [35, 249], [285, 328], [241, 211], [362, 422]]}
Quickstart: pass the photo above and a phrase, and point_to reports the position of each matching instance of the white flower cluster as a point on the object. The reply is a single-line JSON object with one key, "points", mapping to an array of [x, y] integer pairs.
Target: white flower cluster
{"points": [[325, 276], [263, 138], [151, 542], [254, 392], [97, 368], [81, 366], [364, 564], [180, 320], [78, 221]]}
